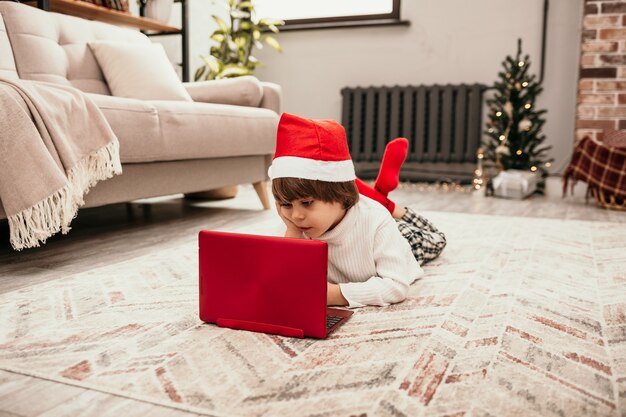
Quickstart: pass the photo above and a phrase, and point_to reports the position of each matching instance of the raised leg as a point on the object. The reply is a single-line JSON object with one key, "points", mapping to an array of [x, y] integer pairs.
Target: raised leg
{"points": [[261, 190]]}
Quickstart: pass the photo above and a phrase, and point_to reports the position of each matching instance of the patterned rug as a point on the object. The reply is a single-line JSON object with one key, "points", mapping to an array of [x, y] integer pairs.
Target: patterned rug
{"points": [[518, 317]]}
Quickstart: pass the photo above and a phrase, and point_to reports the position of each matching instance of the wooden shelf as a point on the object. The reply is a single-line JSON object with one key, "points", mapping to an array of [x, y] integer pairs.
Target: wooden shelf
{"points": [[92, 12]]}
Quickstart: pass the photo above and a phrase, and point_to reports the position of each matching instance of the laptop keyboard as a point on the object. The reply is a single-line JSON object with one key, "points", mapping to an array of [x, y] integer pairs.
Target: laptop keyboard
{"points": [[331, 321]]}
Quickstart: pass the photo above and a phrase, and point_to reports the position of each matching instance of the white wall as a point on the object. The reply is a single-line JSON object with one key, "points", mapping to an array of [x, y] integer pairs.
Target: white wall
{"points": [[448, 41]]}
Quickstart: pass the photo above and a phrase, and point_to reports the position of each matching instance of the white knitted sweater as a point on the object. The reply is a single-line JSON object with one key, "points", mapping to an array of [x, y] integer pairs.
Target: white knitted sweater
{"points": [[369, 258]]}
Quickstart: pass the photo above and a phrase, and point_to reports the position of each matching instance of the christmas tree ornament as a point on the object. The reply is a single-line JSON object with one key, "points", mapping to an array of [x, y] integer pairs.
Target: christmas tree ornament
{"points": [[525, 124], [503, 150]]}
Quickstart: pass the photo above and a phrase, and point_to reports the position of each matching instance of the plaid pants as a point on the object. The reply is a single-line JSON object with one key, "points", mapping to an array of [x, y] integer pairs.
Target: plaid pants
{"points": [[426, 241]]}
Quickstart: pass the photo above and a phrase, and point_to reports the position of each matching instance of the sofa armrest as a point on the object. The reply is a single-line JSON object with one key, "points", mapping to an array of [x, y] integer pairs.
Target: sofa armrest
{"points": [[241, 91], [272, 97]]}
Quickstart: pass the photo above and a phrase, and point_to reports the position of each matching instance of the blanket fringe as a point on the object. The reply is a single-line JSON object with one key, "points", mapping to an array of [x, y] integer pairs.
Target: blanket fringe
{"points": [[32, 226]]}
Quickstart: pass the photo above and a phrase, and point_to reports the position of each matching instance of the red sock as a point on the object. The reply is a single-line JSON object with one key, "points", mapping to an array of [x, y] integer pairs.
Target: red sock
{"points": [[368, 191], [393, 158]]}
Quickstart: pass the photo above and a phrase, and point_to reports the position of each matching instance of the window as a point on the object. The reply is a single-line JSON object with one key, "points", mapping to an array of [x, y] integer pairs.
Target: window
{"points": [[320, 14]]}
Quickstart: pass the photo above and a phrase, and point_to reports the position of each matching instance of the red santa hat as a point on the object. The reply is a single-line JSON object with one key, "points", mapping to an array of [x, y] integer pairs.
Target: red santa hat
{"points": [[312, 150]]}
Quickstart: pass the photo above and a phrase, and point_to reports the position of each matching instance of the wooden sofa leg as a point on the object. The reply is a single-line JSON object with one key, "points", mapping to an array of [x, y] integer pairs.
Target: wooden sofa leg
{"points": [[261, 190]]}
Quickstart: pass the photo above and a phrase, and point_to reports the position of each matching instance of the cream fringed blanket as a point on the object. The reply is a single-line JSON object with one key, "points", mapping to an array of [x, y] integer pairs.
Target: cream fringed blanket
{"points": [[54, 145]]}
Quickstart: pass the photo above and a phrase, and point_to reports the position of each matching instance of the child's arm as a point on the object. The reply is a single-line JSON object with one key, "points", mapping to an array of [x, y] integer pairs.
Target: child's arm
{"points": [[334, 297], [396, 269]]}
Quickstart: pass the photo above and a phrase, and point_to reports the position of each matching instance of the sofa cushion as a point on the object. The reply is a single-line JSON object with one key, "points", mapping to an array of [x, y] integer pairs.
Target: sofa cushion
{"points": [[167, 130], [53, 47], [141, 71], [241, 91], [7, 63]]}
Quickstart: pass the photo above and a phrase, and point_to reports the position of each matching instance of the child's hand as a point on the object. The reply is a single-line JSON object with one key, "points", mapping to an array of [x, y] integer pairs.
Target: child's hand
{"points": [[334, 297], [292, 229]]}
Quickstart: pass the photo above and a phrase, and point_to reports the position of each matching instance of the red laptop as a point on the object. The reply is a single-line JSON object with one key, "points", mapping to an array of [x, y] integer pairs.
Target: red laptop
{"points": [[266, 284]]}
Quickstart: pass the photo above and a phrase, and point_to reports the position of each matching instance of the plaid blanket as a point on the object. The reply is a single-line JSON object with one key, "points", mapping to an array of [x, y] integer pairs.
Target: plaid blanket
{"points": [[601, 165]]}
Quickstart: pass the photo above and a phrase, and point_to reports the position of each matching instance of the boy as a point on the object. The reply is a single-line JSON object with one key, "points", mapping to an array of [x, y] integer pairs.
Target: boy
{"points": [[372, 259]]}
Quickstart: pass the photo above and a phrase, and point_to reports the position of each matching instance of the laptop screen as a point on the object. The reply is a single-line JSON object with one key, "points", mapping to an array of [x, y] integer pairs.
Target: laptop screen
{"points": [[263, 282]]}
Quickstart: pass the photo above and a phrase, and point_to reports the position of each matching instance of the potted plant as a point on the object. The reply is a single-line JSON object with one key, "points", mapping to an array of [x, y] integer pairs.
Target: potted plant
{"points": [[235, 41]]}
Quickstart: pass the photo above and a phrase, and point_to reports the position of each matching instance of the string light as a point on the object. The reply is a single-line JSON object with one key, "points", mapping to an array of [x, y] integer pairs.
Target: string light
{"points": [[445, 187], [527, 106], [498, 114], [533, 168], [451, 186], [521, 63], [490, 130], [502, 137], [478, 172], [548, 164], [519, 152], [525, 84]]}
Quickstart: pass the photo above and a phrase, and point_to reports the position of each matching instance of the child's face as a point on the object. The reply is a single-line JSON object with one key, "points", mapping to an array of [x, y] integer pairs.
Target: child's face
{"points": [[312, 217]]}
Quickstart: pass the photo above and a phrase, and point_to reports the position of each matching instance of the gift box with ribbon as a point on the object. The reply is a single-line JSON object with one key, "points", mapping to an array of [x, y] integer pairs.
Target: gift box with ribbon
{"points": [[514, 184]]}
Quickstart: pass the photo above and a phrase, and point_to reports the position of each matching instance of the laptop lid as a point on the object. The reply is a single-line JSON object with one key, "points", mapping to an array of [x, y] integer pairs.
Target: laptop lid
{"points": [[263, 283]]}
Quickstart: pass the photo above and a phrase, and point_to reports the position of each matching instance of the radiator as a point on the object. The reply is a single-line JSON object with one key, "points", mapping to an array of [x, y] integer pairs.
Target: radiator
{"points": [[442, 124]]}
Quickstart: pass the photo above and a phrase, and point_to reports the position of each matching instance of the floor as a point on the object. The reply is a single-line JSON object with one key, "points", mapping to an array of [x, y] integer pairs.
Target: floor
{"points": [[126, 231]]}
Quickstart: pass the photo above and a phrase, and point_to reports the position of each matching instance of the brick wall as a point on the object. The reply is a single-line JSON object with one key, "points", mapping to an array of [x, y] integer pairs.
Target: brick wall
{"points": [[602, 83]]}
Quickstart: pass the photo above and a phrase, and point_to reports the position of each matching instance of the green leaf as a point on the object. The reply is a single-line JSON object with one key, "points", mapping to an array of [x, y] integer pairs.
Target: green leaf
{"points": [[245, 5], [234, 71], [223, 26], [241, 42], [218, 37], [199, 73], [212, 63], [273, 43], [238, 14], [268, 22]]}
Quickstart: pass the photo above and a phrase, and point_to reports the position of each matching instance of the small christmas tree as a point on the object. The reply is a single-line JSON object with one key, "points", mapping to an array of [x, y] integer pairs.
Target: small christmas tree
{"points": [[514, 138]]}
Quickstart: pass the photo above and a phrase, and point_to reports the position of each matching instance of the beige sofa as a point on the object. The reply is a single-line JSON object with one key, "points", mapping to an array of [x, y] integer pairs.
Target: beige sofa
{"points": [[166, 147]]}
